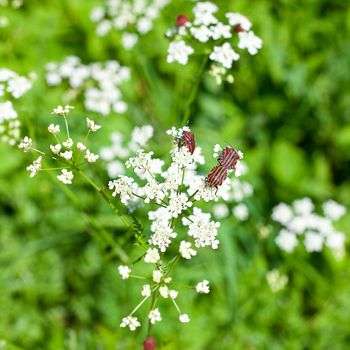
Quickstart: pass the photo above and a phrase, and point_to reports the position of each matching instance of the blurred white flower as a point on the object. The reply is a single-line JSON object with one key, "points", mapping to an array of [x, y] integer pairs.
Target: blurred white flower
{"points": [[65, 177], [179, 52], [241, 212], [152, 256], [124, 271], [184, 318], [333, 210], [154, 316], [131, 322], [203, 287], [249, 41], [225, 55]]}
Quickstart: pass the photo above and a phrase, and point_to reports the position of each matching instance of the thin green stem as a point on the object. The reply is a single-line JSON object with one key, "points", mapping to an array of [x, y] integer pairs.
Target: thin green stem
{"points": [[193, 91], [67, 128]]}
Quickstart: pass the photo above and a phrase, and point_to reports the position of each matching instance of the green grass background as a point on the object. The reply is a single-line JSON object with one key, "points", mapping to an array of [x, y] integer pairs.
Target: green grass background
{"points": [[288, 110]]}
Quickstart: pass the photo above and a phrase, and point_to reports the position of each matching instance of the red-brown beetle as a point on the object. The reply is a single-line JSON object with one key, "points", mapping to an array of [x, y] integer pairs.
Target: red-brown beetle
{"points": [[181, 20], [228, 158], [217, 176], [187, 140]]}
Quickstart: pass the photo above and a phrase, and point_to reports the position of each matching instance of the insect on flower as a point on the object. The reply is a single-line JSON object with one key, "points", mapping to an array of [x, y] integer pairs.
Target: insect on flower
{"points": [[229, 158], [217, 176], [187, 139], [181, 20]]}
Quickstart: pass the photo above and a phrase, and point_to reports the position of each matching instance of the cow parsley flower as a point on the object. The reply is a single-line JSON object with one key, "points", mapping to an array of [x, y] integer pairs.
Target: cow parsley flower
{"points": [[225, 55], [301, 220], [35, 167], [179, 52], [26, 144], [203, 287], [99, 82], [172, 192], [152, 256], [124, 271], [276, 280], [92, 126], [154, 316], [65, 177], [184, 318], [215, 38], [131, 322], [131, 18]]}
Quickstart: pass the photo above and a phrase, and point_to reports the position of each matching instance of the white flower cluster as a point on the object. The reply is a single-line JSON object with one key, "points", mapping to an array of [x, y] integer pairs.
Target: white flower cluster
{"points": [[316, 231], [99, 82], [130, 17], [64, 151], [276, 280], [216, 36], [177, 224], [14, 86], [116, 154]]}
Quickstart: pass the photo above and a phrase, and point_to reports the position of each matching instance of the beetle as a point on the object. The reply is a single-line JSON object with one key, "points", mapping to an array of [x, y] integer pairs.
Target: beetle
{"points": [[187, 139], [216, 177], [229, 158]]}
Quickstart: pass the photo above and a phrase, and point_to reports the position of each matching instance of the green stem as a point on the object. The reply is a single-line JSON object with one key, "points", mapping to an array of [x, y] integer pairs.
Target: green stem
{"points": [[193, 91]]}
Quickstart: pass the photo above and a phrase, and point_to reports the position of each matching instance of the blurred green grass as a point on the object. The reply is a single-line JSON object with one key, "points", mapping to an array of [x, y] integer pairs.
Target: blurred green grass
{"points": [[288, 110]]}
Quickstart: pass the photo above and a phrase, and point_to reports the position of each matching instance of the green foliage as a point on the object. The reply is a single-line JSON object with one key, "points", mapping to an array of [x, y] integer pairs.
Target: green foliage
{"points": [[288, 110]]}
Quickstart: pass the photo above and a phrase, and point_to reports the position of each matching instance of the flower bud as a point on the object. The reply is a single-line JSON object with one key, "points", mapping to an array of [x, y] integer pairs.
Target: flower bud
{"points": [[149, 344], [181, 20]]}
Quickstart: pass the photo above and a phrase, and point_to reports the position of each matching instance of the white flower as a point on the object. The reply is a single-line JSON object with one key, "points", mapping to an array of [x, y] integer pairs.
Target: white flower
{"points": [[202, 229], [54, 129], [65, 177], [152, 190], [124, 186], [286, 240], [333, 210], [203, 12], [18, 86], [146, 290], [152, 256], [203, 287], [131, 322], [186, 251], [91, 157], [7, 111], [162, 234], [92, 126], [184, 318], [129, 40], [225, 55], [182, 157], [62, 111], [276, 281], [313, 242], [178, 52], [56, 148], [124, 271], [282, 213], [154, 316], [303, 206], [35, 167], [238, 19], [240, 211], [81, 147], [140, 137], [26, 144], [103, 28], [202, 33], [173, 294], [97, 14], [335, 240], [249, 41], [220, 211], [164, 291], [220, 30], [178, 203], [157, 276], [67, 155], [68, 143]]}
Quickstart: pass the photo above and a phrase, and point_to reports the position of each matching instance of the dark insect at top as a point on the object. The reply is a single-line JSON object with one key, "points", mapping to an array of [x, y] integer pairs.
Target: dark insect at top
{"points": [[188, 140], [228, 158], [216, 176]]}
